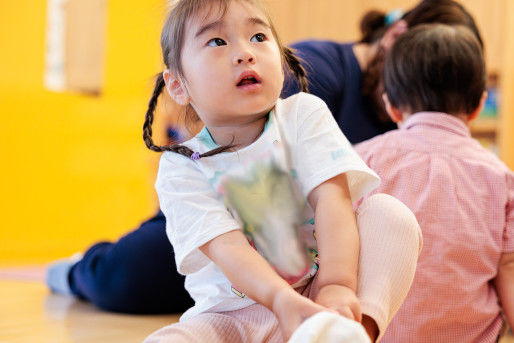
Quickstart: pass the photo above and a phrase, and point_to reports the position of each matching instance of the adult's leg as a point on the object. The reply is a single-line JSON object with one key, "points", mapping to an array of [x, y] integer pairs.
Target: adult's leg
{"points": [[391, 241], [137, 274]]}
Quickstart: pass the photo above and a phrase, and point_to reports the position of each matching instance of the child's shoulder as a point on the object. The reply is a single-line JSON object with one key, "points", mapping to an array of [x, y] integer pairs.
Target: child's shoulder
{"points": [[303, 99], [493, 161], [300, 105], [177, 163], [378, 142]]}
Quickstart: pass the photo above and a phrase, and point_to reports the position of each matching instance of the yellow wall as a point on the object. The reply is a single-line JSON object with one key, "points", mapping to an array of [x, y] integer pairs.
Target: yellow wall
{"points": [[74, 168]]}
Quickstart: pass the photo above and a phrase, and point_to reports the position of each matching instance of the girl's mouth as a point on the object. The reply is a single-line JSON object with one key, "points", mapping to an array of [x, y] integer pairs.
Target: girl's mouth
{"points": [[249, 80]]}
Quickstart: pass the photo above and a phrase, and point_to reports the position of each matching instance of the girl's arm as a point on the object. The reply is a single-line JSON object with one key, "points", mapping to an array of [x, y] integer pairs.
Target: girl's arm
{"points": [[250, 273], [245, 267], [338, 244], [504, 283]]}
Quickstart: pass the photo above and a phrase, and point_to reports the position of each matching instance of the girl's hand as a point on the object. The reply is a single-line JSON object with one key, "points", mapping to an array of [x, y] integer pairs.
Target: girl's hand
{"points": [[292, 309], [342, 299]]}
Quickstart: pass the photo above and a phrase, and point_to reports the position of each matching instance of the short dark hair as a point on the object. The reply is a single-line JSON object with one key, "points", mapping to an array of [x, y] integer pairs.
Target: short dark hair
{"points": [[435, 67]]}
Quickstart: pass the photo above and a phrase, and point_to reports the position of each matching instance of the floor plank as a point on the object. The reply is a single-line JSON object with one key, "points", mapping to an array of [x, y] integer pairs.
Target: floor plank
{"points": [[29, 313]]}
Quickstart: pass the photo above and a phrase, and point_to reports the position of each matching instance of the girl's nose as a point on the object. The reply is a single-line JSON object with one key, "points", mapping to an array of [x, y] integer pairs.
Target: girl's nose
{"points": [[244, 57]]}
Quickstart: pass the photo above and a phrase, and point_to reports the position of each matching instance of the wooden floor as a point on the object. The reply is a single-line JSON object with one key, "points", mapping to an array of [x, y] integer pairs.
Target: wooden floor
{"points": [[30, 313]]}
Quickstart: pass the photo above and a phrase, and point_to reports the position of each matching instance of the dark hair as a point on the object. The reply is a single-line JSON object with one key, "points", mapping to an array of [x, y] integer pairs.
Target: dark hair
{"points": [[427, 11], [172, 39], [373, 26], [435, 67], [443, 12]]}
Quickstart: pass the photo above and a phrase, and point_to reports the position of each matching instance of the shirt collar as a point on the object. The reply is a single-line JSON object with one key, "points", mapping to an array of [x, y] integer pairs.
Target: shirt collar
{"points": [[438, 120], [205, 136]]}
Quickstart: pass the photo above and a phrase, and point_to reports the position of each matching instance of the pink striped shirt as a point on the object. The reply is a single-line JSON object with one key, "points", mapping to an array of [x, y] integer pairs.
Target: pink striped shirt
{"points": [[463, 198]]}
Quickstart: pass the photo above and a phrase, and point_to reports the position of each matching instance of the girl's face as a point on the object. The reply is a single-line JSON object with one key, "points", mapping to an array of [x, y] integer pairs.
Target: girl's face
{"points": [[232, 65]]}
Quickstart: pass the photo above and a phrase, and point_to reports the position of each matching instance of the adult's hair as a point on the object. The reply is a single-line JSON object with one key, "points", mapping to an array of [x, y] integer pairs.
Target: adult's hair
{"points": [[435, 67], [172, 41], [374, 23], [373, 27], [444, 12]]}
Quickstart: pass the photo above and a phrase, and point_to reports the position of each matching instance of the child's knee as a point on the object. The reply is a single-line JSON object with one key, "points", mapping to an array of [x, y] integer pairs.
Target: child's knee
{"points": [[385, 215]]}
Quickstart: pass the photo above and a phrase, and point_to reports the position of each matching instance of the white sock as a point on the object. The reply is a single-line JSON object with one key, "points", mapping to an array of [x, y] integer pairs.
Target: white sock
{"points": [[328, 327]]}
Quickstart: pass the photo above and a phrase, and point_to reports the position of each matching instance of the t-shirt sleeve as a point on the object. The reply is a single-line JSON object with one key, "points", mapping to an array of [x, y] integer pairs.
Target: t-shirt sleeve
{"points": [[364, 150], [322, 152], [194, 212], [508, 234]]}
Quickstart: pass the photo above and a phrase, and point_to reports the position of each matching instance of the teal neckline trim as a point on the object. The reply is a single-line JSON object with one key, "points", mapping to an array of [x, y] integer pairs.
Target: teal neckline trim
{"points": [[268, 122], [205, 136]]}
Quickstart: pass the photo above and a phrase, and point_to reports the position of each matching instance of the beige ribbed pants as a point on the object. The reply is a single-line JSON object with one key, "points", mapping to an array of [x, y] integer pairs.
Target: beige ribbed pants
{"points": [[390, 240]]}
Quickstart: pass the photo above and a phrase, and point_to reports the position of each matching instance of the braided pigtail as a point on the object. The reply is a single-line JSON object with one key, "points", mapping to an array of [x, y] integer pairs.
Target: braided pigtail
{"points": [[298, 71], [152, 104], [147, 126], [177, 148]]}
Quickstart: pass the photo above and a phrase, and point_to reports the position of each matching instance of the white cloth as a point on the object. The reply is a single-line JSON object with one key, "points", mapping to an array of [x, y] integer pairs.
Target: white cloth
{"points": [[190, 197], [327, 327]]}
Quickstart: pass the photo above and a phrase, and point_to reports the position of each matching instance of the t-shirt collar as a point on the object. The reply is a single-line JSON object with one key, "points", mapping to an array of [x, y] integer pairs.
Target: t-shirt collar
{"points": [[437, 120], [205, 136]]}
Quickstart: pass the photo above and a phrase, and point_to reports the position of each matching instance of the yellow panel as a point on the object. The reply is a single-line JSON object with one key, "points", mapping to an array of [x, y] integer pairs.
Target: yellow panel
{"points": [[75, 169]]}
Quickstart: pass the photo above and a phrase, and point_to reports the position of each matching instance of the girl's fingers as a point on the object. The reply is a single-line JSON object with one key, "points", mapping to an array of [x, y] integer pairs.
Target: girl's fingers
{"points": [[357, 314], [347, 312], [355, 308]]}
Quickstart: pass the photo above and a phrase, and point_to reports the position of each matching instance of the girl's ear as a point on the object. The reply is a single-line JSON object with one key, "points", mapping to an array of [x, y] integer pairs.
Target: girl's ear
{"points": [[394, 113], [176, 88]]}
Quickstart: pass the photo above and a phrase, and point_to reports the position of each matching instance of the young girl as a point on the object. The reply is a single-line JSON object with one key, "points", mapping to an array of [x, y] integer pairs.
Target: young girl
{"points": [[225, 65]]}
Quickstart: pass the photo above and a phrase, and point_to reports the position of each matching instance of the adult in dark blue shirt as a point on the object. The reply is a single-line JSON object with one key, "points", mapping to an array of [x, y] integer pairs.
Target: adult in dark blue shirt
{"points": [[347, 76], [137, 274], [335, 75]]}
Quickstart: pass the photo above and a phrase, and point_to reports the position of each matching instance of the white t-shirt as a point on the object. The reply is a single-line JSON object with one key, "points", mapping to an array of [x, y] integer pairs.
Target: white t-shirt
{"points": [[195, 212]]}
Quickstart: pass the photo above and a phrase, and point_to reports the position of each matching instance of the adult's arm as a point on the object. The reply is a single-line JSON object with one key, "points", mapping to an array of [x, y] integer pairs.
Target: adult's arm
{"points": [[322, 62]]}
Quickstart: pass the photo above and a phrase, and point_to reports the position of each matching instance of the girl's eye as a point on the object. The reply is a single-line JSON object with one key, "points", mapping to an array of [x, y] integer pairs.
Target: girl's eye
{"points": [[216, 42], [260, 37]]}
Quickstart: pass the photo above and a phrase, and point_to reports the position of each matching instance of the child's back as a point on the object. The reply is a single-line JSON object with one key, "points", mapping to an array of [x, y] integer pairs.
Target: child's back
{"points": [[463, 198], [458, 192]]}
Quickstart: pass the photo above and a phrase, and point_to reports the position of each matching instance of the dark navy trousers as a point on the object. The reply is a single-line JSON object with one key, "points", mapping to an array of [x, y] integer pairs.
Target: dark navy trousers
{"points": [[137, 274]]}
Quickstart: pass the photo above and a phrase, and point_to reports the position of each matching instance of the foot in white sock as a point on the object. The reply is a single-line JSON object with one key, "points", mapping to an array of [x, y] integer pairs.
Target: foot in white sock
{"points": [[326, 327], [58, 272]]}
